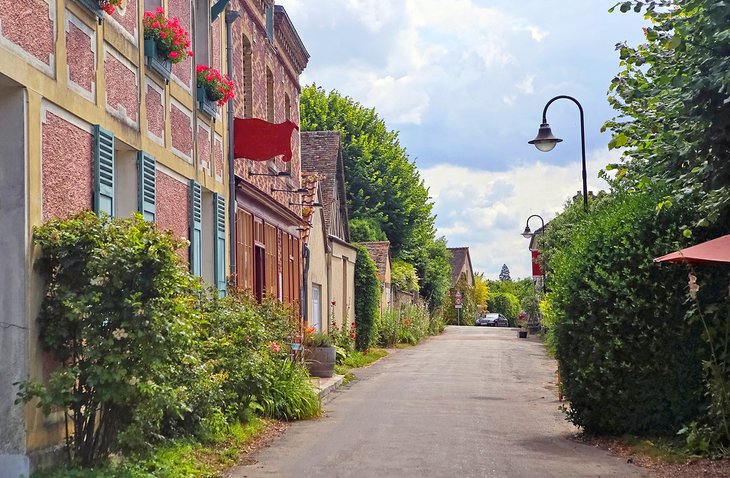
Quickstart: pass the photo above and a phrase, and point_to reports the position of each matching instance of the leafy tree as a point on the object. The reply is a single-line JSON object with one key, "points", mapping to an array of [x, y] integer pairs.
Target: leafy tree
{"points": [[673, 98], [434, 267], [364, 229], [403, 275], [384, 189], [504, 274], [481, 290], [468, 304]]}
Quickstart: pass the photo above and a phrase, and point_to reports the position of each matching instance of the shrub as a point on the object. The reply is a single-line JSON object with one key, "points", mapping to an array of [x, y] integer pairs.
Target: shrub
{"points": [[289, 395], [628, 360], [506, 304], [389, 328], [366, 299], [117, 316]]}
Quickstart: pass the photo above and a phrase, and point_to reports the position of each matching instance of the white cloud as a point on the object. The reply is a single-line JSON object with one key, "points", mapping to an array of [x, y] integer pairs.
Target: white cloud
{"points": [[526, 85], [486, 210]]}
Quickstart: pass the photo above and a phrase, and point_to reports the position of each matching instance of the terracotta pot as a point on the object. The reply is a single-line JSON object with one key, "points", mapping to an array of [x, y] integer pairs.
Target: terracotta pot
{"points": [[320, 361]]}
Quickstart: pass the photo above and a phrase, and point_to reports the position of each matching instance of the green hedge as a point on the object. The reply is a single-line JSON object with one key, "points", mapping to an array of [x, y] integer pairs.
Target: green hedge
{"points": [[628, 360], [367, 293]]}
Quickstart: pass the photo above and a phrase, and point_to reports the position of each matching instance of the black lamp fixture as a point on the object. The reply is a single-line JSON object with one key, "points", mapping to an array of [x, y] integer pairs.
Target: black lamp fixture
{"points": [[314, 204], [528, 234], [545, 140], [298, 191], [280, 174]]}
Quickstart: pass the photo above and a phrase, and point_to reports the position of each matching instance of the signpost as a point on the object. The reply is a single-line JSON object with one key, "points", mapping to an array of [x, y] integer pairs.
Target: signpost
{"points": [[457, 304]]}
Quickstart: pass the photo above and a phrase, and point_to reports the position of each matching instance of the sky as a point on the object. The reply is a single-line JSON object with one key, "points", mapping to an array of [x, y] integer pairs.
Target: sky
{"points": [[465, 82]]}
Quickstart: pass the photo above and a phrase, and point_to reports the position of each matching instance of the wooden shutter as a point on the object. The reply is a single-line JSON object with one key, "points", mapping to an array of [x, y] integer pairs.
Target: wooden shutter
{"points": [[244, 250], [146, 186], [296, 270], [219, 243], [272, 276], [285, 269], [270, 23], [196, 227], [103, 171]]}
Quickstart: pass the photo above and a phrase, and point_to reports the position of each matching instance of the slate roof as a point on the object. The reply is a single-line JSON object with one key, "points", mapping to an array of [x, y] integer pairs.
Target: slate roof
{"points": [[321, 153], [459, 257], [380, 253]]}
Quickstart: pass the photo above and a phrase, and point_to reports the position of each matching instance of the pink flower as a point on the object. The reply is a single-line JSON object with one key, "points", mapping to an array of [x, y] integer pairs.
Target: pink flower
{"points": [[160, 10], [173, 54], [155, 24], [163, 35], [274, 347], [190, 53], [209, 77]]}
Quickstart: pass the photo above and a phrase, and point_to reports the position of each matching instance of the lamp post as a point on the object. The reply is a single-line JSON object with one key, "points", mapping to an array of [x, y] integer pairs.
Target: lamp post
{"points": [[545, 141], [527, 234]]}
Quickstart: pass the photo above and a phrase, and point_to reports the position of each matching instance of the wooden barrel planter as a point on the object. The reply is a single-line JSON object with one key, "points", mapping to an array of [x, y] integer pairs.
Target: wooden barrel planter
{"points": [[320, 361]]}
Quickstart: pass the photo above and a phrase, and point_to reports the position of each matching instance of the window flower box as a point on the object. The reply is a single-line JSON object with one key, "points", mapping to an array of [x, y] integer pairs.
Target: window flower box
{"points": [[212, 88], [207, 105], [98, 6], [156, 60]]}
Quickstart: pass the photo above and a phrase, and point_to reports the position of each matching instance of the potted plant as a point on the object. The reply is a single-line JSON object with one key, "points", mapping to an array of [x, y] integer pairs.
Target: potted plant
{"points": [[165, 42], [213, 88], [319, 353], [108, 6]]}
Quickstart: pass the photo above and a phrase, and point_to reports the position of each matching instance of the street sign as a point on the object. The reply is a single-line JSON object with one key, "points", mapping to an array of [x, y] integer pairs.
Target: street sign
{"points": [[457, 300]]}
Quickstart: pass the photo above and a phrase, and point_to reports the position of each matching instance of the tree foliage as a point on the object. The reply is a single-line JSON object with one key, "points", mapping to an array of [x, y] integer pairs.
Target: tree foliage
{"points": [[468, 304], [403, 275], [673, 98], [481, 290], [506, 304], [504, 274], [385, 192]]}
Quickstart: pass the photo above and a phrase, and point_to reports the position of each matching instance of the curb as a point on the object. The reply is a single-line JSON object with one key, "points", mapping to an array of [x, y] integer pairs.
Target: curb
{"points": [[325, 386]]}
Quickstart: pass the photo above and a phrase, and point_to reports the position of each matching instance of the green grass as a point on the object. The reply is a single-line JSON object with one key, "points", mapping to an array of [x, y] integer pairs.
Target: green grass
{"points": [[357, 360], [665, 449], [177, 459]]}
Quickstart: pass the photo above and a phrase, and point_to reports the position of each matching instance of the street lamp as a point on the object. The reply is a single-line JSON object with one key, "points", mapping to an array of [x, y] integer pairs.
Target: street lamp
{"points": [[527, 234], [545, 141]]}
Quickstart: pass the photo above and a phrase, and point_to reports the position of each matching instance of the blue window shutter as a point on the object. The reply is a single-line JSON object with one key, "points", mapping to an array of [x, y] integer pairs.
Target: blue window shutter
{"points": [[146, 186], [219, 206], [196, 226], [103, 171], [270, 23]]}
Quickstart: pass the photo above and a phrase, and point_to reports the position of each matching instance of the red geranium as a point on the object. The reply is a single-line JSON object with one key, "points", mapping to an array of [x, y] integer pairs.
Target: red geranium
{"points": [[173, 41], [109, 6], [219, 87]]}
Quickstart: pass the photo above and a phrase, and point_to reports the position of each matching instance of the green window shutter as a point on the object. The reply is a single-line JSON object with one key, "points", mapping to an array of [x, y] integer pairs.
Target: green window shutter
{"points": [[103, 171], [146, 186], [219, 230], [196, 226]]}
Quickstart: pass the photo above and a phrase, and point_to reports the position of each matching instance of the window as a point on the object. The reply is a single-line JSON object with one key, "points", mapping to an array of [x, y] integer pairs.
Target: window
{"points": [[202, 43], [125, 172], [247, 77], [316, 319], [269, 96], [152, 5], [270, 23], [287, 106]]}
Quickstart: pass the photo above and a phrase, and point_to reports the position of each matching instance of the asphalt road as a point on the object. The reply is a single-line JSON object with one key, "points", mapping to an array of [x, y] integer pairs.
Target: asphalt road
{"points": [[473, 402]]}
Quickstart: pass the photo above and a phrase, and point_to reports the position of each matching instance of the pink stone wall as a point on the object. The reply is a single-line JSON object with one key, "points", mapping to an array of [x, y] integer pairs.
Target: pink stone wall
{"points": [[122, 90], [80, 57], [127, 18], [172, 208], [16, 17], [219, 158], [66, 158], [181, 131], [216, 32], [182, 10], [203, 147], [155, 112]]}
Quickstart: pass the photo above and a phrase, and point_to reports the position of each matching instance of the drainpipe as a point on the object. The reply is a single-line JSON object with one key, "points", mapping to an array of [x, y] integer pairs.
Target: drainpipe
{"points": [[231, 16], [305, 289]]}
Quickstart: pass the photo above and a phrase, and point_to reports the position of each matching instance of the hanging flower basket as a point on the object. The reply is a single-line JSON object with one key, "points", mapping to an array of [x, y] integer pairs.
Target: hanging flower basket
{"points": [[213, 88], [165, 42]]}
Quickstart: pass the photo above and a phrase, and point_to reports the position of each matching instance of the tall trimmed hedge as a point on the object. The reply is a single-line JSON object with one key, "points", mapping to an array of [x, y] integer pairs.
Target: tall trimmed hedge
{"points": [[629, 362], [367, 291]]}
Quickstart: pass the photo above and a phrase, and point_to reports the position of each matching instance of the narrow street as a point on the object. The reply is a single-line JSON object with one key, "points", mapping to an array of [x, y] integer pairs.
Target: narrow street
{"points": [[473, 402]]}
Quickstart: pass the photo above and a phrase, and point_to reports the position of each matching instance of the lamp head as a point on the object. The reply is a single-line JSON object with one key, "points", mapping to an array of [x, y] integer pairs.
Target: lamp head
{"points": [[545, 141], [527, 233]]}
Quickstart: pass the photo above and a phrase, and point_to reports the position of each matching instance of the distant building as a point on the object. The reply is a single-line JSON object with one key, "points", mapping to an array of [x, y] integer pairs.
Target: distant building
{"points": [[461, 266], [331, 277]]}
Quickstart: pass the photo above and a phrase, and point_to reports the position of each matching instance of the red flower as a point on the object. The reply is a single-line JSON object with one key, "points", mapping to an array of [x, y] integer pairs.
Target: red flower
{"points": [[109, 9], [274, 347], [173, 54], [155, 24]]}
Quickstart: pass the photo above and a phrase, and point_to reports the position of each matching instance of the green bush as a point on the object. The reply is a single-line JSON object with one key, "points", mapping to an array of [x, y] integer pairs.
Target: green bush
{"points": [[628, 360], [389, 328], [506, 304], [289, 395], [117, 316], [366, 298]]}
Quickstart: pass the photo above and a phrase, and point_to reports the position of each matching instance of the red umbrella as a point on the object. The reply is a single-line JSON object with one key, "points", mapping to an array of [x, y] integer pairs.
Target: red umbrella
{"points": [[716, 250]]}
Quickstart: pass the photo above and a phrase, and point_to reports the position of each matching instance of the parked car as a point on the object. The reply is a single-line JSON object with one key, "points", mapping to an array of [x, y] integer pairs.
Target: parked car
{"points": [[493, 320]]}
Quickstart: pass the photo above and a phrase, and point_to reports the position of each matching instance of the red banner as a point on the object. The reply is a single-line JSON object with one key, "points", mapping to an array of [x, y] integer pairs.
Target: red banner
{"points": [[260, 140], [536, 269]]}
